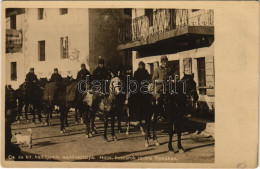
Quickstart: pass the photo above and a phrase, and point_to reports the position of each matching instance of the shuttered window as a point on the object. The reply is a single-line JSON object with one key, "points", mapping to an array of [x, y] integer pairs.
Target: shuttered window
{"points": [[13, 71], [13, 21], [40, 13], [210, 75], [202, 76], [63, 11], [64, 47], [41, 50], [187, 66]]}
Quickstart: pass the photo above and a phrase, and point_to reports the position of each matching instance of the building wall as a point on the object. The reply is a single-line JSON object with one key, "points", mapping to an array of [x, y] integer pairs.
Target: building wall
{"points": [[207, 52], [19, 22], [51, 28], [103, 34], [17, 57]]}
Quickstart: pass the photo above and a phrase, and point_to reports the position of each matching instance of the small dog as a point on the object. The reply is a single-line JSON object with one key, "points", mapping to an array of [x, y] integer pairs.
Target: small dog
{"points": [[20, 139]]}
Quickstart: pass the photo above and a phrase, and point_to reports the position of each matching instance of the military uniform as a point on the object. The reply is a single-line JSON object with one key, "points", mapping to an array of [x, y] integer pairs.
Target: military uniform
{"points": [[82, 74], [31, 77], [141, 100], [56, 77], [161, 74], [101, 74]]}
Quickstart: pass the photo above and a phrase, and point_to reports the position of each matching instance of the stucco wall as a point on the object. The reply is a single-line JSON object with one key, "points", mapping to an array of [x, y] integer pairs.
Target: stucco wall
{"points": [[19, 59], [51, 29]]}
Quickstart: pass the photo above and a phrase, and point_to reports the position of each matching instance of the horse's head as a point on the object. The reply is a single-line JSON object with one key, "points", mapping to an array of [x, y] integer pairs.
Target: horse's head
{"points": [[68, 79], [43, 81], [190, 85], [115, 86]]}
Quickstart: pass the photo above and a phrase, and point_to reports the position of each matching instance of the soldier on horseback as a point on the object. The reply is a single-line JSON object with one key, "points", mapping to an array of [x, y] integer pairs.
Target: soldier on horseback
{"points": [[82, 74], [31, 77], [33, 95], [160, 82], [100, 74], [142, 100], [56, 77]]}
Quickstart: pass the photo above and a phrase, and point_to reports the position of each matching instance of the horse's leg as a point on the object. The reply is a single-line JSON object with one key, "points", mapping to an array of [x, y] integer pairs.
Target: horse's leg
{"points": [[62, 119], [154, 129], [51, 111], [66, 117], [47, 110], [105, 126], [147, 129], [119, 112], [39, 114], [26, 111], [93, 130], [114, 138], [141, 112], [86, 116], [170, 136], [82, 119], [76, 115], [179, 130], [33, 112], [128, 121], [64, 114]]}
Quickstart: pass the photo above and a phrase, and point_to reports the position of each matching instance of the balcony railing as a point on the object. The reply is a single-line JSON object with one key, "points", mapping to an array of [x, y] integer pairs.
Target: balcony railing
{"points": [[14, 39], [161, 21]]}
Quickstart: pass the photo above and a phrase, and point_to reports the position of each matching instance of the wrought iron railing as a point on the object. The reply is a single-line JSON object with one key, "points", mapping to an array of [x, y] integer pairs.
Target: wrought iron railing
{"points": [[163, 20]]}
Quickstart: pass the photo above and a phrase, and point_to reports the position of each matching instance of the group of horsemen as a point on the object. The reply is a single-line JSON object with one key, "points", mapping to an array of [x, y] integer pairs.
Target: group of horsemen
{"points": [[141, 100], [101, 73]]}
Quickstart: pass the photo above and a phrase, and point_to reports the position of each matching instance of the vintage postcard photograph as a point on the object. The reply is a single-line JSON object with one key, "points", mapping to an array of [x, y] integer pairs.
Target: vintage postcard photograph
{"points": [[109, 84]]}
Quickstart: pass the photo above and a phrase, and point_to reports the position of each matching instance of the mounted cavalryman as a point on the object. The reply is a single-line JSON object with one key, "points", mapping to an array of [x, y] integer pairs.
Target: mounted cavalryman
{"points": [[56, 77]]}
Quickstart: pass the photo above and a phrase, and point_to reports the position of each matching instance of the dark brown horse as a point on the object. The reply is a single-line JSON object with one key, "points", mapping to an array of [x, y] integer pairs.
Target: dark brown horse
{"points": [[30, 94], [177, 106]]}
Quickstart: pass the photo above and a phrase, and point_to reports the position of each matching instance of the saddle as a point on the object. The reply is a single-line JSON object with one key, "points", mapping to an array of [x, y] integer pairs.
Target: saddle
{"points": [[71, 91], [49, 92]]}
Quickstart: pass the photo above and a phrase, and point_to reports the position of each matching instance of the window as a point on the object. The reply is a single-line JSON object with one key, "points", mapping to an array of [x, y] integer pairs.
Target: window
{"points": [[63, 11], [194, 10], [40, 13], [13, 21], [128, 11], [187, 66], [175, 67], [151, 68], [13, 71], [202, 76], [64, 47], [41, 49], [149, 14]]}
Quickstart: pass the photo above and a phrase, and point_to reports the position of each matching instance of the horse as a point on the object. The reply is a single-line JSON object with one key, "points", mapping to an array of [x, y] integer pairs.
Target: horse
{"points": [[10, 98], [177, 106], [30, 94], [64, 94], [132, 111], [105, 103], [108, 107], [149, 113]]}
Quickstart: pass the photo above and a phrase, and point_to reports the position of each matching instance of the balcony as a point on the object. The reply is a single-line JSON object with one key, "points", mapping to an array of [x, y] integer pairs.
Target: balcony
{"points": [[163, 24], [14, 40]]}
